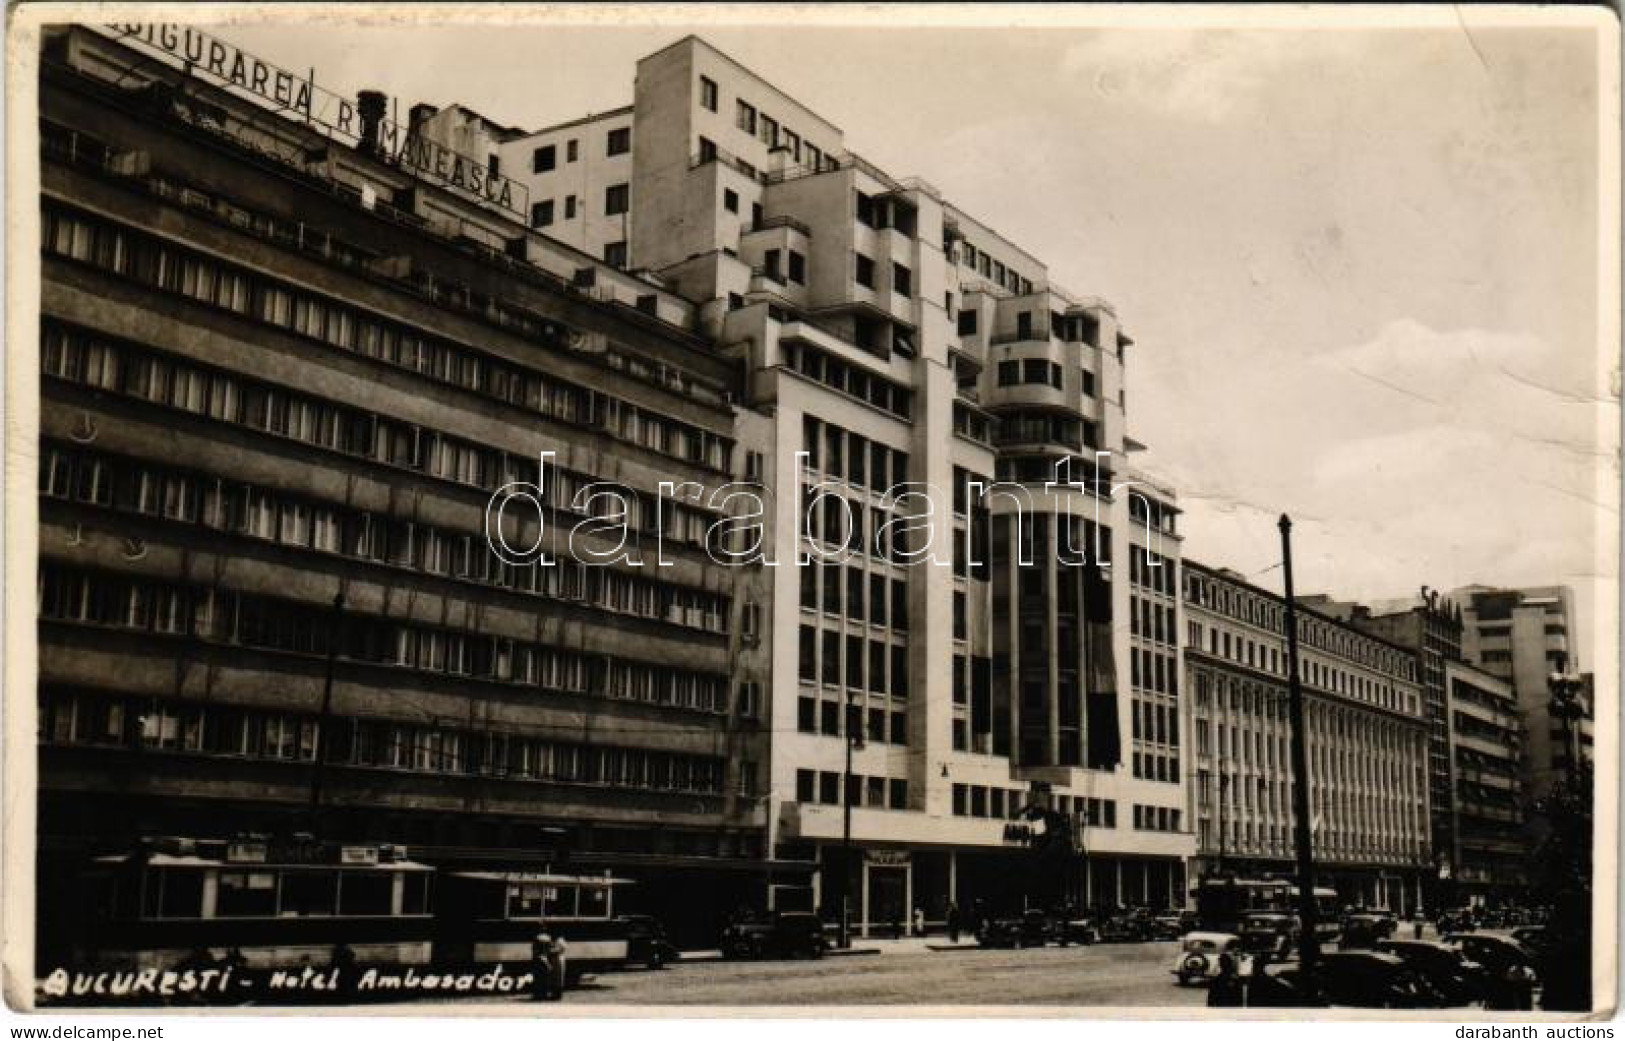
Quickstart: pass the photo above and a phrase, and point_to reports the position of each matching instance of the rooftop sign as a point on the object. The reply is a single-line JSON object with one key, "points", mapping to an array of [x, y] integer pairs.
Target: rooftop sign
{"points": [[333, 115]]}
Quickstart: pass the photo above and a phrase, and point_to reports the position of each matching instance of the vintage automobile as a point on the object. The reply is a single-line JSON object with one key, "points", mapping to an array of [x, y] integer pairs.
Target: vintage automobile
{"points": [[1075, 930], [1199, 953], [1364, 929], [1353, 979], [1459, 920], [1028, 929], [1456, 978], [646, 942], [1269, 933], [1168, 927], [1533, 938], [1124, 928], [1511, 973], [781, 934]]}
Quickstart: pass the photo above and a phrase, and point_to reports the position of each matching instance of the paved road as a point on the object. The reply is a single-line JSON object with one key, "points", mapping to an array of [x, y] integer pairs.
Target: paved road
{"points": [[1105, 974]]}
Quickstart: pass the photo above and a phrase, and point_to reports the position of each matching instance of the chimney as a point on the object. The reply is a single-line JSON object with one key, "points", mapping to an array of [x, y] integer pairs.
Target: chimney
{"points": [[371, 105]]}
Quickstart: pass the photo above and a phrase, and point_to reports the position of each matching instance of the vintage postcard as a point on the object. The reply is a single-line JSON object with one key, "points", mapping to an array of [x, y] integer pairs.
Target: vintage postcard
{"points": [[952, 510]]}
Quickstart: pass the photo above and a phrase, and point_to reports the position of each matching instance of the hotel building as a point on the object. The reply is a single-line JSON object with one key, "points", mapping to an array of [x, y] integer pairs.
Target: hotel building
{"points": [[885, 336]]}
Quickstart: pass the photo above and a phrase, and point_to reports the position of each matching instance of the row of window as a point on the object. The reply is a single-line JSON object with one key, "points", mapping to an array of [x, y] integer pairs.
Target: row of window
{"points": [[1028, 371], [1155, 818], [979, 261], [875, 793], [871, 724], [152, 376], [841, 454], [836, 374], [137, 487], [767, 130], [616, 142], [1150, 621], [863, 273], [155, 263], [1155, 766], [1154, 671], [822, 585], [271, 623], [119, 720], [1152, 571], [862, 667]]}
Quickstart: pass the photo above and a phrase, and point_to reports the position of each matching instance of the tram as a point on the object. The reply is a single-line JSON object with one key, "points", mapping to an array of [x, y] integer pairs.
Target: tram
{"points": [[1221, 903], [290, 904]]}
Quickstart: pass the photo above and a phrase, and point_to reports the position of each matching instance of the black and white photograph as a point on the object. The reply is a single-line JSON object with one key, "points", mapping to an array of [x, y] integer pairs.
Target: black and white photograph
{"points": [[550, 511]]}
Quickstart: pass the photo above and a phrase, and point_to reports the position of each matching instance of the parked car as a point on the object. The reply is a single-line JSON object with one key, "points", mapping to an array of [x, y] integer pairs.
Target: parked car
{"points": [[1511, 973], [1167, 927], [1458, 979], [1532, 938], [1269, 933], [1123, 928], [1199, 954], [1361, 929], [1076, 930], [1353, 979], [646, 942], [1459, 920], [782, 934], [1028, 929]]}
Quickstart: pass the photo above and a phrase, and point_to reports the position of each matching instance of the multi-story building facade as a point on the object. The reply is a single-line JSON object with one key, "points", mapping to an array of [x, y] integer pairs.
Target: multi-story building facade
{"points": [[1431, 627], [1523, 636], [1489, 852], [1367, 736], [891, 344], [282, 365]]}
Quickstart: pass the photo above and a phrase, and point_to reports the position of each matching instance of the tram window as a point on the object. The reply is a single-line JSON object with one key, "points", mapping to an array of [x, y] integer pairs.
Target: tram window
{"points": [[365, 892], [594, 902], [246, 894], [524, 901], [180, 894], [559, 902], [415, 898], [309, 893]]}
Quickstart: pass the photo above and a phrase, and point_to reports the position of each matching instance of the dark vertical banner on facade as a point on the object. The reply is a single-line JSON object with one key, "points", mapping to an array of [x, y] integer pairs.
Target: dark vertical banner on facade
{"points": [[1104, 737]]}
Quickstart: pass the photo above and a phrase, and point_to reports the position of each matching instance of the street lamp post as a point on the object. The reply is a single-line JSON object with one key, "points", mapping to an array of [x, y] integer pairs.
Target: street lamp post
{"points": [[1308, 947], [852, 737]]}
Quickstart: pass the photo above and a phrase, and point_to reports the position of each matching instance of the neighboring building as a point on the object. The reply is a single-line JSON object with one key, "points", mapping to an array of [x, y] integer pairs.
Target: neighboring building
{"points": [[1523, 636], [1367, 733], [1488, 845], [1431, 628], [887, 336], [277, 367]]}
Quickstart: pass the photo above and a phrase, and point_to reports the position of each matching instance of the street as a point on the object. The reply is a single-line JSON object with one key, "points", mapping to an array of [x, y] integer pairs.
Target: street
{"points": [[912, 974]]}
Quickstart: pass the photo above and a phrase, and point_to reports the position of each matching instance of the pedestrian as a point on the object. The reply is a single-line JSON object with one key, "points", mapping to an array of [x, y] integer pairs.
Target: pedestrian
{"points": [[953, 922], [919, 921], [541, 959], [1225, 990], [561, 974], [1416, 926]]}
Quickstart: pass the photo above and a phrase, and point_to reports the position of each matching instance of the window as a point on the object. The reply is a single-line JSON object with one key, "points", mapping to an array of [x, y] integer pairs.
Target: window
{"points": [[571, 150], [544, 159], [493, 166], [615, 253], [708, 94], [708, 150], [902, 280], [967, 323], [1009, 373], [798, 267], [569, 207], [770, 131], [866, 271], [617, 199], [745, 118], [730, 200], [541, 214], [1088, 384], [619, 141]]}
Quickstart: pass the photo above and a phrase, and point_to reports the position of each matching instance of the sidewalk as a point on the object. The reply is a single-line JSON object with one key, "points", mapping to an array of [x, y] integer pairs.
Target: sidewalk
{"points": [[871, 945]]}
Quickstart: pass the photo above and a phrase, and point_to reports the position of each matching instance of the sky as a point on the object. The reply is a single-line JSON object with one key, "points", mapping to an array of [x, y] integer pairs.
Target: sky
{"points": [[1360, 266]]}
